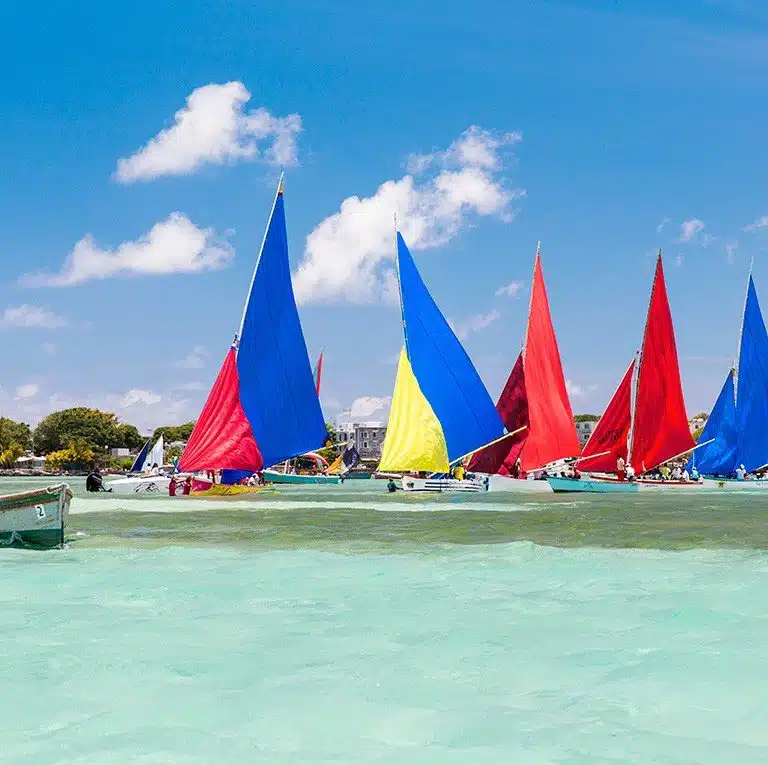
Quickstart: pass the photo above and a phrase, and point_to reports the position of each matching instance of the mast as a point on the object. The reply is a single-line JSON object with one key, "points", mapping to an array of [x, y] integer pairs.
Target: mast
{"points": [[638, 366], [258, 259], [530, 299], [741, 332]]}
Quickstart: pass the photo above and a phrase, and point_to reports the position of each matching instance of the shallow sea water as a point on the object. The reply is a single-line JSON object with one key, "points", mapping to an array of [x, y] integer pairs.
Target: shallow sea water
{"points": [[352, 627]]}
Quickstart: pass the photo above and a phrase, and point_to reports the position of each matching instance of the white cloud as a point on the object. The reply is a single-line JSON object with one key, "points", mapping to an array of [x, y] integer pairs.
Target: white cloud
{"points": [[30, 390], [214, 128], [574, 391], [139, 397], [761, 222], [174, 245], [49, 349], [365, 406], [510, 290], [193, 360], [663, 225], [467, 327], [30, 316], [348, 256], [730, 249], [689, 229], [679, 260]]}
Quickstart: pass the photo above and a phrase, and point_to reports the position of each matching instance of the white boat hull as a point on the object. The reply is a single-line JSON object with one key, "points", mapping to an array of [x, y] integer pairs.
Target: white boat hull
{"points": [[732, 484], [154, 484], [437, 485], [507, 483]]}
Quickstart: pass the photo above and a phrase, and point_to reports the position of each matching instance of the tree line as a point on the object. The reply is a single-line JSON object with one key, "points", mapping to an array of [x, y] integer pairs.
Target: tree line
{"points": [[77, 437]]}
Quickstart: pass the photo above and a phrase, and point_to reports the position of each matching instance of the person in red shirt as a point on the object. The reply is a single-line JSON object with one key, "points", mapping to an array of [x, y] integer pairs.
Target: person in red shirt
{"points": [[172, 487], [187, 487]]}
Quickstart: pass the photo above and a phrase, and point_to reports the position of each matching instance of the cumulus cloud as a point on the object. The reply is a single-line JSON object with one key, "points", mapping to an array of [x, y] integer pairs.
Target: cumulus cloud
{"points": [[477, 323], [30, 316], [348, 256], [761, 222], [193, 360], [214, 128], [578, 391], [174, 245], [29, 390], [139, 397], [663, 224], [509, 290], [689, 229], [365, 406]]}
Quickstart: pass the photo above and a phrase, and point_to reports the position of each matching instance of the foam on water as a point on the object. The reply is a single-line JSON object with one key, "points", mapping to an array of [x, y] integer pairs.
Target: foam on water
{"points": [[509, 653]]}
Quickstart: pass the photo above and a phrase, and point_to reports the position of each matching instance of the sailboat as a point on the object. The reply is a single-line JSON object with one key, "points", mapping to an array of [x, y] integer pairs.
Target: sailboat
{"points": [[734, 434], [534, 402], [645, 422], [441, 412], [141, 479], [263, 408]]}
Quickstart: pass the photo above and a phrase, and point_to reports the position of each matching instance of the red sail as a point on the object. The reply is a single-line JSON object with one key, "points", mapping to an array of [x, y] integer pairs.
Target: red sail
{"points": [[660, 430], [553, 432], [610, 436], [512, 407], [222, 437]]}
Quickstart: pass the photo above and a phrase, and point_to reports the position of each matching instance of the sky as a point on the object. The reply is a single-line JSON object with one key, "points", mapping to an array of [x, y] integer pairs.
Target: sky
{"points": [[143, 143]]}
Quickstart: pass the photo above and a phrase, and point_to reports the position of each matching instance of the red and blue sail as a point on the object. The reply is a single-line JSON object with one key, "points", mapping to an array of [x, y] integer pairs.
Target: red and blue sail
{"points": [[263, 407]]}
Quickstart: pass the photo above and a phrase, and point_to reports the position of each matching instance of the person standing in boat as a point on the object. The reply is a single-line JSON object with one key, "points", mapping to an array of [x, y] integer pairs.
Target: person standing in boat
{"points": [[621, 468], [741, 473]]}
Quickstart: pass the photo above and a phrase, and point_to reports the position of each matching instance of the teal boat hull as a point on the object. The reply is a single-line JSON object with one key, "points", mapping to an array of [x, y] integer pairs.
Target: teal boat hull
{"points": [[272, 476], [590, 485], [35, 518]]}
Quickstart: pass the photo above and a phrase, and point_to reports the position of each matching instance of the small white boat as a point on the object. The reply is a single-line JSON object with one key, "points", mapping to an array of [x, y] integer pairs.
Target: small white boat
{"points": [[453, 485], [139, 484], [523, 485], [35, 518]]}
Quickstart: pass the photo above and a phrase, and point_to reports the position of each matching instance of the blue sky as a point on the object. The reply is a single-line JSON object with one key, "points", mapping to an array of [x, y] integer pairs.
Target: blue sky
{"points": [[598, 130]]}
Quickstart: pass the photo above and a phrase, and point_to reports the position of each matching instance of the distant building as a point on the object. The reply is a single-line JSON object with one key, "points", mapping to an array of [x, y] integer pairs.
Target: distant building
{"points": [[119, 451], [367, 437], [697, 422], [585, 424], [30, 462]]}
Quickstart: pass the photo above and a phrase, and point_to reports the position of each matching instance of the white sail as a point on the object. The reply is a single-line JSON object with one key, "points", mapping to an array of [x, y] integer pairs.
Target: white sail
{"points": [[155, 456]]}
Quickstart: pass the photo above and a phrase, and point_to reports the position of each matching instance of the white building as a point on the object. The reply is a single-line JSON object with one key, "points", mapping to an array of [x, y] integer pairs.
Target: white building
{"points": [[584, 430], [367, 437], [30, 462]]}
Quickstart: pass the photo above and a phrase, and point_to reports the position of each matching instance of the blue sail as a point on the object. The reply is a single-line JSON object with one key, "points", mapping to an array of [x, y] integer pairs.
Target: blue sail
{"points": [[277, 390], [445, 374], [721, 457], [752, 386], [138, 463]]}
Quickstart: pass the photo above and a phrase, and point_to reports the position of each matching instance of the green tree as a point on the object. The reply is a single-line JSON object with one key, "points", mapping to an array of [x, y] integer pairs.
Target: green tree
{"points": [[99, 430], [172, 453], [12, 432], [171, 433], [78, 455], [586, 418], [9, 455], [128, 437]]}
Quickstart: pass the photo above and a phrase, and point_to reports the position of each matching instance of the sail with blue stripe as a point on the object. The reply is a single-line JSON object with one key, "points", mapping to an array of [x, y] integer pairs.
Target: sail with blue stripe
{"points": [[721, 455], [263, 407], [138, 463], [752, 385], [441, 411]]}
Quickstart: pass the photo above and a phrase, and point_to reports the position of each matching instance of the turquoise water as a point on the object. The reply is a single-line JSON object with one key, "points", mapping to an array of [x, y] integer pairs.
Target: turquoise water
{"points": [[347, 628]]}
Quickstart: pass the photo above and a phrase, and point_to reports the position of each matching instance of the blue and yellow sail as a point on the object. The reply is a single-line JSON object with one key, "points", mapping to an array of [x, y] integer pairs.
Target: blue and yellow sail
{"points": [[441, 411]]}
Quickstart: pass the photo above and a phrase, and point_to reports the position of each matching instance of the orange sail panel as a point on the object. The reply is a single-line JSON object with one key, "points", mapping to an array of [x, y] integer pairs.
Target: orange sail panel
{"points": [[512, 407], [553, 432], [660, 430], [610, 437]]}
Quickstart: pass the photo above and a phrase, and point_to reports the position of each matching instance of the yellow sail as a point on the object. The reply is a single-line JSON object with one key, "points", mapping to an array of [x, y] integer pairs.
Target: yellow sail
{"points": [[414, 439], [335, 467]]}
